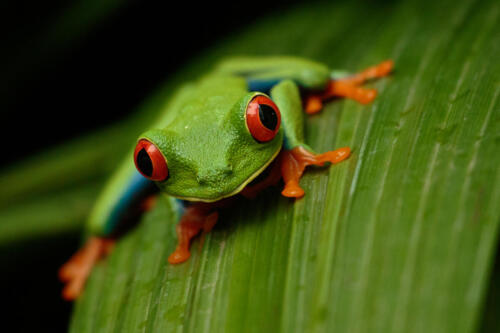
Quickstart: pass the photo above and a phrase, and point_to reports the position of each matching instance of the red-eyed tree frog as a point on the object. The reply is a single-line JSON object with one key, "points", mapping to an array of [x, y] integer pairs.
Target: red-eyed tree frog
{"points": [[233, 132]]}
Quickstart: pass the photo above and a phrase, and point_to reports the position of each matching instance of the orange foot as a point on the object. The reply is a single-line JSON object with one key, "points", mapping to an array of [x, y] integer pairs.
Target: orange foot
{"points": [[349, 87], [293, 163], [198, 217], [75, 272]]}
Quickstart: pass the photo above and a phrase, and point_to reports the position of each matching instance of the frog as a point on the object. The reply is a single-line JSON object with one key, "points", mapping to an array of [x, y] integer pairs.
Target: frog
{"points": [[232, 133]]}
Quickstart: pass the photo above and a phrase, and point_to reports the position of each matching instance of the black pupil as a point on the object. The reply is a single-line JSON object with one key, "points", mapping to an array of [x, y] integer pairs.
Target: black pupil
{"points": [[268, 116], [144, 163]]}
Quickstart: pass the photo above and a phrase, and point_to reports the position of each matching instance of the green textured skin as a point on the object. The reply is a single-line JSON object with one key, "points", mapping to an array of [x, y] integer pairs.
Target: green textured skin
{"points": [[306, 73], [210, 153], [202, 132]]}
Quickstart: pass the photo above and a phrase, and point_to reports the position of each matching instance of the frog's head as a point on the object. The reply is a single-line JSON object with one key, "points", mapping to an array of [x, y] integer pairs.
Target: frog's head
{"points": [[216, 157]]}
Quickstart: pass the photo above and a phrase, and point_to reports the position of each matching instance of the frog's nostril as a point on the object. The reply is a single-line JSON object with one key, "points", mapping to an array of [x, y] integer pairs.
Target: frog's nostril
{"points": [[227, 170], [214, 176]]}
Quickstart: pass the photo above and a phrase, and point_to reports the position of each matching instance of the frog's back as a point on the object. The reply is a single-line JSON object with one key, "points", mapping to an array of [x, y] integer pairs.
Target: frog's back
{"points": [[208, 99]]}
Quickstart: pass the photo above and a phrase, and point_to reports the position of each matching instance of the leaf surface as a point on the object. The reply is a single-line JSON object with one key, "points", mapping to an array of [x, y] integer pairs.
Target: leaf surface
{"points": [[398, 238]]}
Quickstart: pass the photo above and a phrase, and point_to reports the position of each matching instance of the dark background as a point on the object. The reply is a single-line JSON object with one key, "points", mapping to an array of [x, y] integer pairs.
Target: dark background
{"points": [[60, 92], [55, 85]]}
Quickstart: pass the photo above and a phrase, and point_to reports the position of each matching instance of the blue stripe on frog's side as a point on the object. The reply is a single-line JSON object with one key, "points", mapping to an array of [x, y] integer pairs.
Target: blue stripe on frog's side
{"points": [[263, 86], [181, 206], [286, 142], [137, 189]]}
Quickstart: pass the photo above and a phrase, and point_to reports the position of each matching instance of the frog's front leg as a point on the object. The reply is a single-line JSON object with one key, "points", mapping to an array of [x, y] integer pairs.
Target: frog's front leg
{"points": [[296, 155], [198, 217], [349, 87]]}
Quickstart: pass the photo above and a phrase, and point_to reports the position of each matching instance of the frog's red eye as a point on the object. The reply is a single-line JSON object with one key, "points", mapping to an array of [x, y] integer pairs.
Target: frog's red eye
{"points": [[263, 118], [150, 161]]}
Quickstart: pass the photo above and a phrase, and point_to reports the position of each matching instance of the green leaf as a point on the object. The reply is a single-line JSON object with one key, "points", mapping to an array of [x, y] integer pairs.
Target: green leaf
{"points": [[51, 215], [398, 238]]}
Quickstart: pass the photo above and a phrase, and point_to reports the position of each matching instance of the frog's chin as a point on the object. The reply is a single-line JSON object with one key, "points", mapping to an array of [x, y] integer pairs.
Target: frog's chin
{"points": [[234, 192]]}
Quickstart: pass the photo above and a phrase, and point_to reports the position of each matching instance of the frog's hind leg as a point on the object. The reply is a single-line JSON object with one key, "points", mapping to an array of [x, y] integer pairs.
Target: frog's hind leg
{"points": [[349, 87], [198, 217], [293, 163], [75, 272]]}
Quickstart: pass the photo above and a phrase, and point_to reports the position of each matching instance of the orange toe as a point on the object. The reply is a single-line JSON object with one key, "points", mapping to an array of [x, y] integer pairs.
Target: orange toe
{"points": [[72, 290], [338, 155], [292, 190], [179, 256], [314, 104], [365, 96], [385, 68]]}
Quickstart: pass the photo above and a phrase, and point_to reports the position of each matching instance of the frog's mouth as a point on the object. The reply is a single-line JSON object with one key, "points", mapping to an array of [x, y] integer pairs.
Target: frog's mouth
{"points": [[238, 189]]}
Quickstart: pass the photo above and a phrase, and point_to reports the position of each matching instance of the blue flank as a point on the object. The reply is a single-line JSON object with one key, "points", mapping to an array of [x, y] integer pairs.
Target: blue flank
{"points": [[181, 206], [263, 86], [136, 188], [286, 143]]}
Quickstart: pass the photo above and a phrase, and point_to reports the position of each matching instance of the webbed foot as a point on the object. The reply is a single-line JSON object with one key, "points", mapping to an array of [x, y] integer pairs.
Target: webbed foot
{"points": [[196, 218], [76, 270], [349, 87], [293, 163]]}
